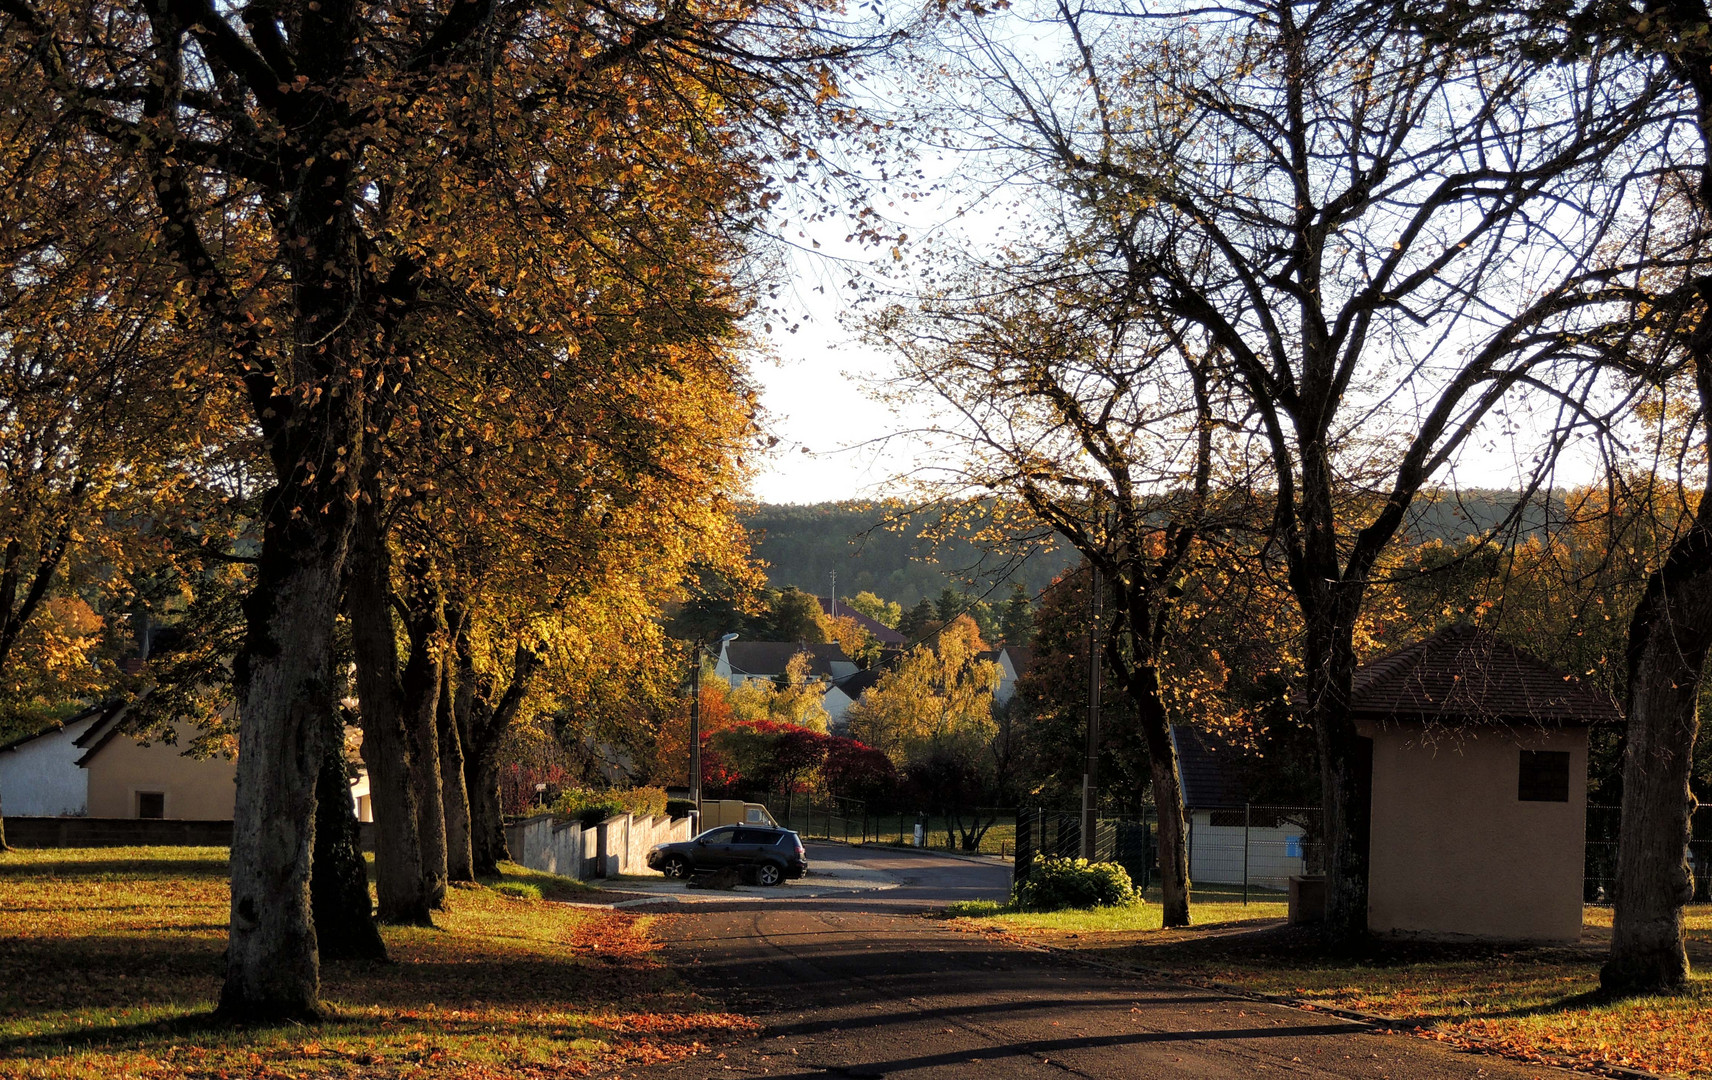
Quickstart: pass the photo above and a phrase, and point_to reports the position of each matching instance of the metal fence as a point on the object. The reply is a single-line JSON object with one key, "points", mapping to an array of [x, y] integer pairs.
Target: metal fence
{"points": [[982, 830], [1251, 848], [1601, 872]]}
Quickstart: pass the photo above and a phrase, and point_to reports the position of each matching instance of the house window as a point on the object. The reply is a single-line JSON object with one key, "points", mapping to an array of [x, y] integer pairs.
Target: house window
{"points": [[1544, 776], [151, 804]]}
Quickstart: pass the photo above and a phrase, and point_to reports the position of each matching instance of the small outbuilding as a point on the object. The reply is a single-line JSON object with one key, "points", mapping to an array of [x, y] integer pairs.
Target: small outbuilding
{"points": [[1479, 789]]}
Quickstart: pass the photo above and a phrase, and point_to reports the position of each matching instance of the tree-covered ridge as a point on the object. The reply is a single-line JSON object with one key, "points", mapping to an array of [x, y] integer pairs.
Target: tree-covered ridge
{"points": [[880, 548]]}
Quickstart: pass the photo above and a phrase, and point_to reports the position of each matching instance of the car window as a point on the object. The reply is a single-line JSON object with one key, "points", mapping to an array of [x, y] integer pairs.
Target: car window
{"points": [[787, 839], [753, 836], [755, 817], [717, 836]]}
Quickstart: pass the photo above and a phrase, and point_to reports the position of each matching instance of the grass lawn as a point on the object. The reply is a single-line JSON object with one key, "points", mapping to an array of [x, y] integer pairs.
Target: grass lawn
{"points": [[110, 960], [1536, 1003]]}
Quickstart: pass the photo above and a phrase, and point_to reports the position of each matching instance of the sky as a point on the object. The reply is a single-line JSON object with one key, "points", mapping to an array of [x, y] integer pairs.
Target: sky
{"points": [[835, 441]]}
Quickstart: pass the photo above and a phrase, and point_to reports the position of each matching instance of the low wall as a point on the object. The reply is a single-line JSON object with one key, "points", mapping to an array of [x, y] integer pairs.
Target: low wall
{"points": [[549, 845], [616, 846], [64, 832], [58, 832]]}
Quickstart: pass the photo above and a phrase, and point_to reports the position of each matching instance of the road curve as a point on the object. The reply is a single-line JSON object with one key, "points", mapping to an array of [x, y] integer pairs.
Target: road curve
{"points": [[860, 986]]}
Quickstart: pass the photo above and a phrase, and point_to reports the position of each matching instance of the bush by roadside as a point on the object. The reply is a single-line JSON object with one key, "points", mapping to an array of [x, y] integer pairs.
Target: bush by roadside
{"points": [[593, 807], [1056, 883]]}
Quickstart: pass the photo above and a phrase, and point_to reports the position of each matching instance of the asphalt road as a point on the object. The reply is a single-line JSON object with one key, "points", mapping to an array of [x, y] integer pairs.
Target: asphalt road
{"points": [[860, 986]]}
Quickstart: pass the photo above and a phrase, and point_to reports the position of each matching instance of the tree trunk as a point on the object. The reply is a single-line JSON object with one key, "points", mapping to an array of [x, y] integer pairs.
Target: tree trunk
{"points": [[421, 685], [460, 859], [339, 889], [285, 688], [387, 751], [1668, 642], [1167, 786], [487, 823], [485, 730], [1346, 766]]}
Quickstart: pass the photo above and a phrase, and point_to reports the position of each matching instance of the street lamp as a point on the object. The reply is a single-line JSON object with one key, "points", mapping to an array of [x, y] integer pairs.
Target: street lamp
{"points": [[695, 718]]}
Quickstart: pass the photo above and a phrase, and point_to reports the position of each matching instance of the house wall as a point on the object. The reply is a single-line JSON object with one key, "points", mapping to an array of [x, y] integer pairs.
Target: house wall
{"points": [[40, 778], [837, 703], [195, 789], [1216, 853], [1455, 852]]}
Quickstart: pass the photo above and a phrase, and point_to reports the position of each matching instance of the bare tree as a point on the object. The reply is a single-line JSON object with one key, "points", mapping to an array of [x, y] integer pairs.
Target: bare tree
{"points": [[1395, 247], [1060, 397]]}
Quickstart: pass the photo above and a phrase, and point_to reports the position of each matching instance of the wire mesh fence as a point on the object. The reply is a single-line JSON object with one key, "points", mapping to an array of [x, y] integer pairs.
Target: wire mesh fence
{"points": [[983, 830], [1602, 830], [1256, 848]]}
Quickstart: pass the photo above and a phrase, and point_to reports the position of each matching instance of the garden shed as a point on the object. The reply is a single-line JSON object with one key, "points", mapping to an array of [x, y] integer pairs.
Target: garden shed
{"points": [[1479, 789]]}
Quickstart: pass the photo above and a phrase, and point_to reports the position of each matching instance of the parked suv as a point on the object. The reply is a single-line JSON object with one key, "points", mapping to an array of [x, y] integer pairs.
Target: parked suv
{"points": [[771, 854]]}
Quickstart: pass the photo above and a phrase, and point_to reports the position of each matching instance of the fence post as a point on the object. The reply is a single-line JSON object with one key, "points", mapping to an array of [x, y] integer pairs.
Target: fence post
{"points": [[1246, 807]]}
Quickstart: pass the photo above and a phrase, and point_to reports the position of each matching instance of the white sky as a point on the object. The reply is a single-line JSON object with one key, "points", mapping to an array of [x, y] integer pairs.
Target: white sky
{"points": [[837, 442]]}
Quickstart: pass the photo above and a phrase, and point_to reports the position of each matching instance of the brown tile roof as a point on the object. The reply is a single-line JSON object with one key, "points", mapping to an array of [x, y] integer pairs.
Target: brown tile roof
{"points": [[769, 658], [1462, 673], [1214, 772], [884, 634]]}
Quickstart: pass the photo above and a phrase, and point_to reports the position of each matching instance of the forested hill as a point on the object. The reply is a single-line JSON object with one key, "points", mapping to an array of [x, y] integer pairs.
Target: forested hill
{"points": [[804, 544]]}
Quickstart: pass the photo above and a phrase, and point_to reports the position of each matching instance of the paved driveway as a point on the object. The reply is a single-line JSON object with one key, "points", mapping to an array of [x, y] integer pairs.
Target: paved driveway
{"points": [[857, 985]]}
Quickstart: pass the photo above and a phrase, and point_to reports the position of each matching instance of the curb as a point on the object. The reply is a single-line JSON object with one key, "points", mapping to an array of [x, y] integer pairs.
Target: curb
{"points": [[1355, 1016]]}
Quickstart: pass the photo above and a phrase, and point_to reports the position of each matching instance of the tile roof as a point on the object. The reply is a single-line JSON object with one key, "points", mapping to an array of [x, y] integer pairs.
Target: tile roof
{"points": [[1022, 658], [884, 634], [854, 686], [1214, 773], [1462, 673], [769, 658], [51, 728]]}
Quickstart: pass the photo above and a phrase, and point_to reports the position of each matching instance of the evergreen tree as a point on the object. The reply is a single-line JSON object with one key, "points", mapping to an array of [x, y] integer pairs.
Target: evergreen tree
{"points": [[950, 604], [1016, 626], [918, 621]]}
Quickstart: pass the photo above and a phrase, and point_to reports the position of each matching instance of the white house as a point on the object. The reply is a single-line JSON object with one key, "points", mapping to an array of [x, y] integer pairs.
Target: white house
{"points": [[39, 774], [88, 766]]}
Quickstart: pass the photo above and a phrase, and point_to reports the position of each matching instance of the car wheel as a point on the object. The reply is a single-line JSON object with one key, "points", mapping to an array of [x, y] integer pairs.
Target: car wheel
{"points": [[769, 874], [675, 867]]}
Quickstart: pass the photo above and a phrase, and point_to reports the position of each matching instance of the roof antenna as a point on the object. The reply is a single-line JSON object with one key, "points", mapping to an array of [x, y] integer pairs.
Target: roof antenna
{"points": [[833, 607]]}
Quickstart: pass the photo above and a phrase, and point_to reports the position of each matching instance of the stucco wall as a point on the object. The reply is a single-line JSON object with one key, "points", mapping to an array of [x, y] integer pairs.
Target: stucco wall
{"points": [[41, 779], [194, 789], [1455, 852]]}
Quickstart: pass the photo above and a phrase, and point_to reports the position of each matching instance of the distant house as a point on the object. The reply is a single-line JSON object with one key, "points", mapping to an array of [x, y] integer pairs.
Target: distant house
{"points": [[88, 766], [1479, 789], [746, 661], [1014, 662], [1228, 838], [884, 634]]}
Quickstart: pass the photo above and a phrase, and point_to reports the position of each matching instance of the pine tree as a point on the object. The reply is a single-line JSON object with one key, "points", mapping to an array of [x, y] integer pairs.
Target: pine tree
{"points": [[1016, 625]]}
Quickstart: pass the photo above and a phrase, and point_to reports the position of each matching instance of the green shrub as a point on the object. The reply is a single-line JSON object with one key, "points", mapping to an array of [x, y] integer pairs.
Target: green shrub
{"points": [[1055, 883], [522, 890], [593, 807], [644, 801]]}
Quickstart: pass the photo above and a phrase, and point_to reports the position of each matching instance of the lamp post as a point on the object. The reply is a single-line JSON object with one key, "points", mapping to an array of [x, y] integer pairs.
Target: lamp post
{"points": [[695, 718]]}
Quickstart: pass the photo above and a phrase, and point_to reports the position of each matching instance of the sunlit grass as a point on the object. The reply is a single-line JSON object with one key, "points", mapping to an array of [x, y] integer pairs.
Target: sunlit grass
{"points": [[1536, 1003], [111, 960]]}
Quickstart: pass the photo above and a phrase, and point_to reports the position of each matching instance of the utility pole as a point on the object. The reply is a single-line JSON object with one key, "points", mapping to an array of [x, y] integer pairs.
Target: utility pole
{"points": [[696, 653], [1091, 771], [695, 728]]}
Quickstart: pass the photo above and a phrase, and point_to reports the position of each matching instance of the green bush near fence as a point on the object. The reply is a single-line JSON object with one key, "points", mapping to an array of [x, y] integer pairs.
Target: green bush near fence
{"points": [[1053, 884], [593, 807]]}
